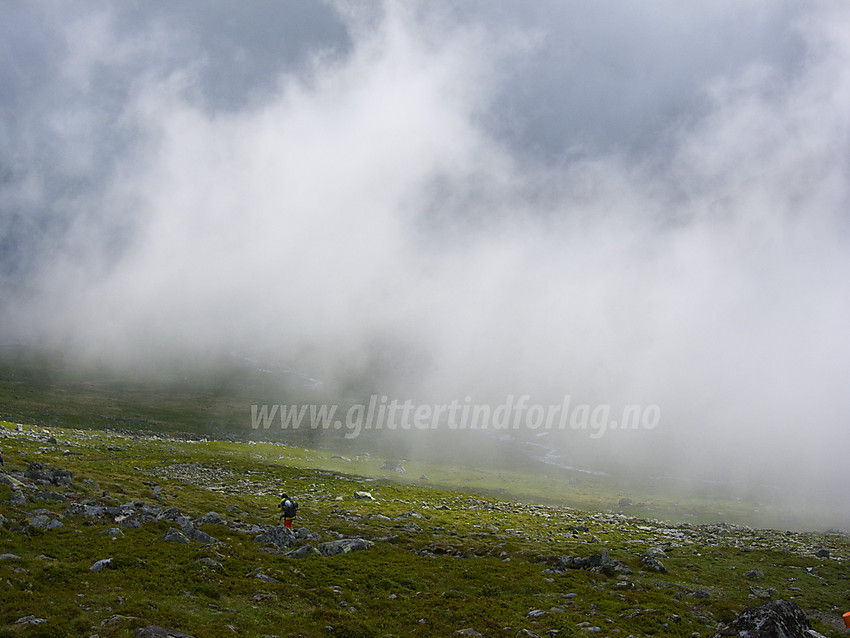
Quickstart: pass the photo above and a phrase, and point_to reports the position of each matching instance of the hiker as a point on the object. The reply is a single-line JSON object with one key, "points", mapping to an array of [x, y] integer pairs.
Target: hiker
{"points": [[288, 510], [1, 459]]}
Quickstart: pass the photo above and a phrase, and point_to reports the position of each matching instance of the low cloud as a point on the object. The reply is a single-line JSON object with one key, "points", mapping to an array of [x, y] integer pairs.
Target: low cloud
{"points": [[374, 213]]}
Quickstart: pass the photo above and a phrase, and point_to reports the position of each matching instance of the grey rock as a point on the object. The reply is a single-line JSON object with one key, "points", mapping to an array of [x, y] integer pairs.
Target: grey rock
{"points": [[776, 619], [279, 536], [469, 631], [211, 518], [200, 536], [364, 495], [755, 574], [760, 592], [653, 564], [100, 565], [209, 562], [60, 477], [36, 472], [18, 498], [43, 521], [30, 620], [822, 553], [175, 536], [303, 552], [133, 521], [395, 466], [114, 532], [89, 511], [597, 562], [10, 481], [343, 546], [52, 496], [169, 514]]}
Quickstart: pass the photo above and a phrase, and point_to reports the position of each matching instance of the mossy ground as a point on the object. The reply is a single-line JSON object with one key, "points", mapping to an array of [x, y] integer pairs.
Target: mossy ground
{"points": [[452, 559]]}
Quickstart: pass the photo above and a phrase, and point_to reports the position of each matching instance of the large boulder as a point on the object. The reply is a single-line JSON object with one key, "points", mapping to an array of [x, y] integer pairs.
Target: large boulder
{"points": [[279, 536], [776, 619], [343, 546]]}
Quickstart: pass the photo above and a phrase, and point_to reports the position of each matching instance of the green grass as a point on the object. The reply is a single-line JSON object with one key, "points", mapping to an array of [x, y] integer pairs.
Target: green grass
{"points": [[38, 388], [462, 580]]}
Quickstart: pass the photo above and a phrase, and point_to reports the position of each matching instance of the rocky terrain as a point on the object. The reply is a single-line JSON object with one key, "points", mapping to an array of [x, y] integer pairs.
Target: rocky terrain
{"points": [[108, 534]]}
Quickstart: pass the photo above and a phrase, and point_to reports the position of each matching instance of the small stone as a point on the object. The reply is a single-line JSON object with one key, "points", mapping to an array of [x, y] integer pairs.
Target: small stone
{"points": [[759, 592], [114, 532], [30, 620], [100, 565]]}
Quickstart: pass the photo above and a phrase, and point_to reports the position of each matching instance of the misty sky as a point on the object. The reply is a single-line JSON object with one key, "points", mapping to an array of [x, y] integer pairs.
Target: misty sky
{"points": [[622, 202]]}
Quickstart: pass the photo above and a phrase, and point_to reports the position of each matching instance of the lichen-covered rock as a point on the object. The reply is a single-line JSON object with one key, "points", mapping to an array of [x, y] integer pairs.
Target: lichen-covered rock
{"points": [[343, 546], [776, 619], [279, 536]]}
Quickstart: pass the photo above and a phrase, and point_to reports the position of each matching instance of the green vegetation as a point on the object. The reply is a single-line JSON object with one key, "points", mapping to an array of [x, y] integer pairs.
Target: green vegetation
{"points": [[444, 559], [38, 388]]}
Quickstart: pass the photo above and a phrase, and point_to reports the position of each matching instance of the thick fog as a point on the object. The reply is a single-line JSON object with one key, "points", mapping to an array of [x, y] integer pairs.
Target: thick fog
{"points": [[642, 204]]}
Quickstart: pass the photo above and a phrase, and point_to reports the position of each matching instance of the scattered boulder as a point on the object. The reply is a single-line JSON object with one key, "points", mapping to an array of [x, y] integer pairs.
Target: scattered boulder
{"points": [[822, 553], [343, 546], [30, 620], [199, 535], [651, 560], [36, 472], [60, 477], [114, 532], [597, 562], [43, 521], [174, 535], [210, 518], [279, 536], [169, 514], [100, 565], [209, 562], [776, 619], [755, 574], [394, 466], [364, 495], [303, 552], [52, 496], [761, 592], [10, 481]]}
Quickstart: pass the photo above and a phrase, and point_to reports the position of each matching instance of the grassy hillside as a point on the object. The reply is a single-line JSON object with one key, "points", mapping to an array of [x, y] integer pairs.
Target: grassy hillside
{"points": [[443, 560], [39, 389]]}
